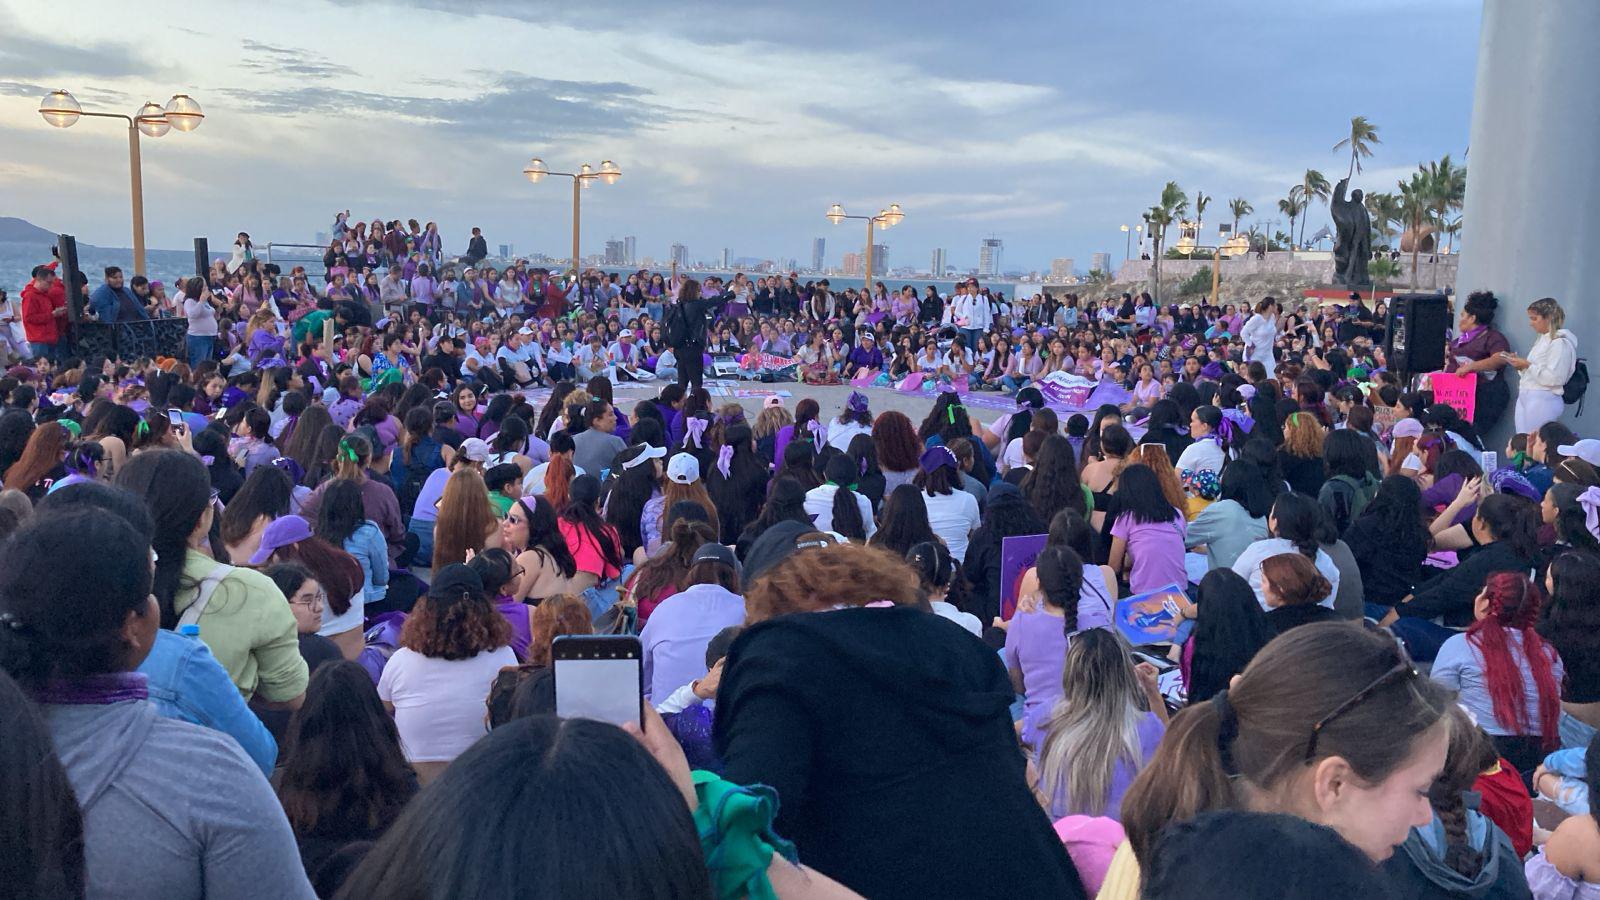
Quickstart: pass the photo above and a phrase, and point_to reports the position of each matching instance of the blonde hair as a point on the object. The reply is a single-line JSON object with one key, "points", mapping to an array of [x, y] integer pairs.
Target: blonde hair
{"points": [[1302, 435], [1548, 308], [770, 421]]}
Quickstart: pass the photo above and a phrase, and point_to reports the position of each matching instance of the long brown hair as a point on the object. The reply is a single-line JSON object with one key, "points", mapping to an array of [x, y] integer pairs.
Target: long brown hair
{"points": [[45, 450], [1295, 579], [671, 569], [465, 518], [1271, 712], [1154, 457], [695, 491], [337, 571], [898, 447]]}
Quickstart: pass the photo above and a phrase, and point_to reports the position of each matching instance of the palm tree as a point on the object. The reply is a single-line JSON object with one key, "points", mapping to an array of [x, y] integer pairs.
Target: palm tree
{"points": [[1292, 206], [1447, 189], [1240, 207], [1384, 209], [1201, 201], [1314, 186], [1172, 205], [1363, 135], [1415, 210]]}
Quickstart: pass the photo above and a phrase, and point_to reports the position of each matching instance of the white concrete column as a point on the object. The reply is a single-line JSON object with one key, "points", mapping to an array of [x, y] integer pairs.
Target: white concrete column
{"points": [[1533, 174]]}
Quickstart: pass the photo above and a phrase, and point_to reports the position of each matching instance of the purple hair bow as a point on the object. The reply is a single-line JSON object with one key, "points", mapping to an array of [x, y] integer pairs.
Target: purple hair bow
{"points": [[1233, 422], [1590, 501], [695, 431], [725, 460], [815, 428]]}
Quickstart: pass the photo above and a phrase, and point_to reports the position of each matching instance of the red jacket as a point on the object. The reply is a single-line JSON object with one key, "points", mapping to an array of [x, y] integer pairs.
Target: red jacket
{"points": [[39, 320]]}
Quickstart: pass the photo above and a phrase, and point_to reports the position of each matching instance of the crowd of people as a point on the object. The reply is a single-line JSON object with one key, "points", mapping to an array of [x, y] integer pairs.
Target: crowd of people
{"points": [[277, 618]]}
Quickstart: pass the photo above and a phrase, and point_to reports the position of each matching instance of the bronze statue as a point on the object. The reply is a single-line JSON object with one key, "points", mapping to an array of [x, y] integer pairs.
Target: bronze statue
{"points": [[1352, 245]]}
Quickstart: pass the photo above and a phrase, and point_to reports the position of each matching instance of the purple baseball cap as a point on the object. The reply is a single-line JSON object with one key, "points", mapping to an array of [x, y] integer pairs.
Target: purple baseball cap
{"points": [[280, 532]]}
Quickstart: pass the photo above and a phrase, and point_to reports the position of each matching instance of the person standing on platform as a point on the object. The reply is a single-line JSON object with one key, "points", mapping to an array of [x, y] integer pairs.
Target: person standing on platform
{"points": [[1546, 368], [688, 341], [1478, 349], [1260, 333]]}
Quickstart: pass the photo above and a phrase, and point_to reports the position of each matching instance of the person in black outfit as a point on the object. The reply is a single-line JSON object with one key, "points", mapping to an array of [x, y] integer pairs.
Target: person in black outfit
{"points": [[691, 350], [1389, 541], [477, 248], [884, 728]]}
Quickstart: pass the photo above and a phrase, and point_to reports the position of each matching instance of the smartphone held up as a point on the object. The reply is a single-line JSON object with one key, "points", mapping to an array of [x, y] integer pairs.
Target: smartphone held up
{"points": [[599, 677]]}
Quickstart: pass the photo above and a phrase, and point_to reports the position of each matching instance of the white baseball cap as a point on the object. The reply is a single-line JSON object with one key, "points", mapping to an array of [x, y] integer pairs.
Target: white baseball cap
{"points": [[683, 468], [475, 449], [1587, 450]]}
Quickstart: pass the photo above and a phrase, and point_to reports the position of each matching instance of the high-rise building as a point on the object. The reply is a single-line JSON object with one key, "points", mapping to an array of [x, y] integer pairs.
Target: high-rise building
{"points": [[989, 257], [320, 238], [1101, 262], [680, 256], [938, 266], [880, 259], [630, 248], [852, 264], [1061, 267], [615, 251], [505, 251], [727, 258], [819, 254]]}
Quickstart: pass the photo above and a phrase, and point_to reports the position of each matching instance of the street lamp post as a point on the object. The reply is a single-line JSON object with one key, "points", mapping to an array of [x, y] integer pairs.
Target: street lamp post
{"points": [[1127, 242], [61, 109], [887, 218], [608, 172]]}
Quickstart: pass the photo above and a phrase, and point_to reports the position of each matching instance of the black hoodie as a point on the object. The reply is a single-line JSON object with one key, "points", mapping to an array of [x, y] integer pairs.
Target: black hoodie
{"points": [[888, 736]]}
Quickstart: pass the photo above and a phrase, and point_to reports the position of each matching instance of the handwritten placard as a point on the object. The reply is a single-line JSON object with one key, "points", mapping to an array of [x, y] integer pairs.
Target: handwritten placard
{"points": [[1459, 392], [1017, 556]]}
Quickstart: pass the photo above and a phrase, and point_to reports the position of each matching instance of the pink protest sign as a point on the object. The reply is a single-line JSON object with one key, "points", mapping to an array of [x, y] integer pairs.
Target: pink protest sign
{"points": [[1459, 392]]}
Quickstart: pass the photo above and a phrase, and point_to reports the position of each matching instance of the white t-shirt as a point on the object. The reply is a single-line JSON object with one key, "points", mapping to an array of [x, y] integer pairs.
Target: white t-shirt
{"points": [[819, 506], [438, 703], [533, 482], [352, 618], [840, 434], [952, 517], [1201, 456], [947, 610], [1248, 565]]}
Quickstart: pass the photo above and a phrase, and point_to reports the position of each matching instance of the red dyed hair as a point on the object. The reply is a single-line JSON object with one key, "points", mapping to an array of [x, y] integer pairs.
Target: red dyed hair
{"points": [[1514, 606]]}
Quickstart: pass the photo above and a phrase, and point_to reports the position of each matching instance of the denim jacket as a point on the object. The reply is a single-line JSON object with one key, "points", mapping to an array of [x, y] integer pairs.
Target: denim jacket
{"points": [[188, 684]]}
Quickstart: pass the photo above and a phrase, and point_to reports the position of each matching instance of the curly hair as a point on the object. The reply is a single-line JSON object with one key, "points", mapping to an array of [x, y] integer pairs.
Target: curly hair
{"points": [[556, 616], [455, 627], [898, 447], [839, 575], [1302, 435]]}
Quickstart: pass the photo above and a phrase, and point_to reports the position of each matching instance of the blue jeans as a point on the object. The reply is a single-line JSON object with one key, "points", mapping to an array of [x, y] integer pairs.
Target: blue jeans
{"points": [[200, 348], [1575, 732], [43, 351], [1014, 384], [972, 335], [1421, 636]]}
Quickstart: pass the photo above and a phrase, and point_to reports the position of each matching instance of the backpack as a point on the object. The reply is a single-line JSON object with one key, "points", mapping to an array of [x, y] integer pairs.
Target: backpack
{"points": [[674, 326], [1576, 386]]}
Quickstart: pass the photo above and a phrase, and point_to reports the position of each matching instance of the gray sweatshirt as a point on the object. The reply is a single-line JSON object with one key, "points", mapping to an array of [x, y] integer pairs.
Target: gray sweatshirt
{"points": [[172, 810]]}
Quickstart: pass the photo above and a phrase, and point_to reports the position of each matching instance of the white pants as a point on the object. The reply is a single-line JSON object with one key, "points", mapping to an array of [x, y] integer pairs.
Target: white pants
{"points": [[1536, 407]]}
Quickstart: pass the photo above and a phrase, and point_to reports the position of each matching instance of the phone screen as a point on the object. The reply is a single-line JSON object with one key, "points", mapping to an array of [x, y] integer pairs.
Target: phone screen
{"points": [[599, 677], [175, 417]]}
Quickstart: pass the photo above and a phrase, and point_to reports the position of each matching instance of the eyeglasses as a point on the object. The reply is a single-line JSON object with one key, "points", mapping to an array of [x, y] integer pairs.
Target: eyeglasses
{"points": [[314, 603], [1400, 670]]}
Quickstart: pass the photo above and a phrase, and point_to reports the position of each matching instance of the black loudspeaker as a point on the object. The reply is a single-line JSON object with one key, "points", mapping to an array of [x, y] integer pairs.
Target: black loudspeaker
{"points": [[71, 277], [1416, 332], [201, 257]]}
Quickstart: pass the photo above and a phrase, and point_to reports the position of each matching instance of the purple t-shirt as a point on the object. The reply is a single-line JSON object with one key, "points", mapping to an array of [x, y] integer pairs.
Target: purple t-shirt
{"points": [[1036, 645], [1157, 551], [1149, 730]]}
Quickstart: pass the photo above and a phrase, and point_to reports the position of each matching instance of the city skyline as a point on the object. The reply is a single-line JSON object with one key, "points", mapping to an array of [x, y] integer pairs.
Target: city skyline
{"points": [[708, 150]]}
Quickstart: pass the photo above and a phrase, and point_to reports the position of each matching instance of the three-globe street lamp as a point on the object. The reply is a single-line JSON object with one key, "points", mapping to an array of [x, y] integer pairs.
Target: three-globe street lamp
{"points": [[886, 218], [61, 109], [536, 170]]}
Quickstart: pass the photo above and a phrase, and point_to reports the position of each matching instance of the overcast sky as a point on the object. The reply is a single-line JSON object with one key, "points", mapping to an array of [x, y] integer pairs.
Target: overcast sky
{"points": [[1047, 124]]}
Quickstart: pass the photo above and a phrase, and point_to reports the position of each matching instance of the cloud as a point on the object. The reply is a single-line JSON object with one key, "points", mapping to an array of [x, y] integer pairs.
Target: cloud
{"points": [[271, 59], [25, 56], [514, 108]]}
